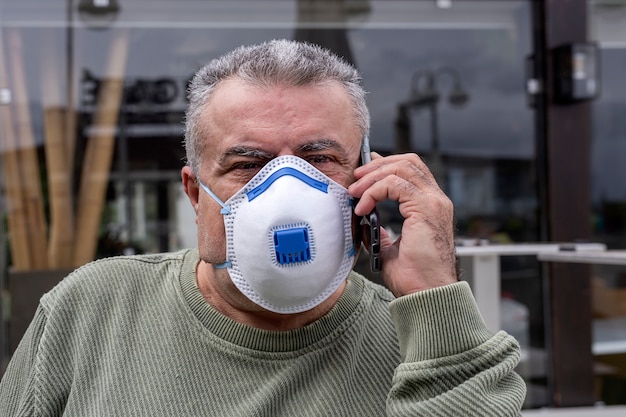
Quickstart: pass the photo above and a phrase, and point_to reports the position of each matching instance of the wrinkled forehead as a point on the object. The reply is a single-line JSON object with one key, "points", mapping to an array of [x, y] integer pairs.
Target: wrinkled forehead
{"points": [[242, 101]]}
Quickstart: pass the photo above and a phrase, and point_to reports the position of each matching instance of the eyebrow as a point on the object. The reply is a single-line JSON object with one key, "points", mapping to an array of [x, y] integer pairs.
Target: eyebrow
{"points": [[245, 151], [312, 146], [320, 145]]}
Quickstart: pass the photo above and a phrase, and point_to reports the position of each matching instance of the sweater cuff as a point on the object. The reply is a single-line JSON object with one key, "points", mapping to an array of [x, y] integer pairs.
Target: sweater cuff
{"points": [[438, 322]]}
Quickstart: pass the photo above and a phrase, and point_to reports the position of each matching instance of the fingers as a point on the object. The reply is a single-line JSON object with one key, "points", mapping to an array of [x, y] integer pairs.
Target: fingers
{"points": [[397, 177], [423, 256]]}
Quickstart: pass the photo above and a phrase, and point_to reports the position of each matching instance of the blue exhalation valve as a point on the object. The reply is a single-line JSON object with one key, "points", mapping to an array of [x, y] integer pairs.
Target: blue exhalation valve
{"points": [[292, 245]]}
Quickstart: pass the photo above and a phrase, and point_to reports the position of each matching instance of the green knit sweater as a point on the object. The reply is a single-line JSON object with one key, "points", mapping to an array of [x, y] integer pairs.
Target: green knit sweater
{"points": [[133, 336]]}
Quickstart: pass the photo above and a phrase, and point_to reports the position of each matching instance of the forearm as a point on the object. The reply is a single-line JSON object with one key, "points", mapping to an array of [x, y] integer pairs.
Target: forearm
{"points": [[452, 364]]}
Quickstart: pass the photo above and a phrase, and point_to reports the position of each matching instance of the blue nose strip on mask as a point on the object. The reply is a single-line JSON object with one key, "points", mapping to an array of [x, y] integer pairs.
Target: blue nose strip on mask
{"points": [[261, 188], [292, 245], [225, 207]]}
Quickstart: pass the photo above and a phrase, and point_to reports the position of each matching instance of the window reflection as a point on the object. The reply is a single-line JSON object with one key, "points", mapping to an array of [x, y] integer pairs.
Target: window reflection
{"points": [[119, 78]]}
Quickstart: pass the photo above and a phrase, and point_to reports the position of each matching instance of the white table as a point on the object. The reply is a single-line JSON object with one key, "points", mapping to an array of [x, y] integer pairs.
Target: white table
{"points": [[480, 266], [607, 257]]}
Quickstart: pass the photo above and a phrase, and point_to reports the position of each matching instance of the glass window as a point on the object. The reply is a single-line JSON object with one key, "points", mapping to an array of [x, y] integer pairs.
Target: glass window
{"points": [[471, 123]]}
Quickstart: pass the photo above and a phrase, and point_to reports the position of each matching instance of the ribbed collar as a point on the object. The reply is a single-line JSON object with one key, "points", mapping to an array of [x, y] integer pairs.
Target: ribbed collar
{"points": [[334, 322]]}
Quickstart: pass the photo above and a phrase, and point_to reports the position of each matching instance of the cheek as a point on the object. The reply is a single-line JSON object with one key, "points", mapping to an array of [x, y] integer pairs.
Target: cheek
{"points": [[345, 176], [211, 235]]}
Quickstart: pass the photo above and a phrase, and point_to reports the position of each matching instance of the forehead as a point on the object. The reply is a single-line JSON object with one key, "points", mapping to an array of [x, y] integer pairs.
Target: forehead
{"points": [[239, 112], [236, 93]]}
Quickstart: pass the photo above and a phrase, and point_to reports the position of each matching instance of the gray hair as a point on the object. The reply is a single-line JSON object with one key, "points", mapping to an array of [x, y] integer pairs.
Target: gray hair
{"points": [[277, 62]]}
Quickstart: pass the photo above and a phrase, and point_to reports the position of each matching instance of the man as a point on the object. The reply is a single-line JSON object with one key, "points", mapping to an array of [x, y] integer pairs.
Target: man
{"points": [[265, 317]]}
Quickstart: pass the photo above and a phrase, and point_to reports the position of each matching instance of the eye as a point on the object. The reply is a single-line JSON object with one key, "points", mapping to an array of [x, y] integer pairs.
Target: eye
{"points": [[244, 170], [319, 159], [248, 166]]}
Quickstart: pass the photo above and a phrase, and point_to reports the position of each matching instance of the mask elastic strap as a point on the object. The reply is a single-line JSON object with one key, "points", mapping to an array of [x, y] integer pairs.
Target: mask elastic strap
{"points": [[225, 207], [223, 265], [225, 210]]}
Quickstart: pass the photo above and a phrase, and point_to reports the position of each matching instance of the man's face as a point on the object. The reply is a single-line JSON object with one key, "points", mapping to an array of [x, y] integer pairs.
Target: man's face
{"points": [[248, 126]]}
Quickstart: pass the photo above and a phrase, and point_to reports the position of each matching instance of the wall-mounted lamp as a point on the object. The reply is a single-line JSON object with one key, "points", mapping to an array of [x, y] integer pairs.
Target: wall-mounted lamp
{"points": [[425, 93], [98, 14]]}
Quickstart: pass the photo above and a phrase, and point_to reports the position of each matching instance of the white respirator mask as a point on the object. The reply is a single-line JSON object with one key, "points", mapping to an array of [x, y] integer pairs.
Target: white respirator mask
{"points": [[289, 241]]}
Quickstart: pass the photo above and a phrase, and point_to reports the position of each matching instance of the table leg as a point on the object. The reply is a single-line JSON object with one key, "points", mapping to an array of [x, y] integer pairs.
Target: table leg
{"points": [[482, 272]]}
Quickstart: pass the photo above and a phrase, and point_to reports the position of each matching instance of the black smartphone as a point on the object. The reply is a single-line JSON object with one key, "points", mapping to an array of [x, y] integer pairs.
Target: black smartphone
{"points": [[370, 222]]}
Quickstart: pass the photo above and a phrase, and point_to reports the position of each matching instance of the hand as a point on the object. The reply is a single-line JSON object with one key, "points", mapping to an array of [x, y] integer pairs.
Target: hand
{"points": [[423, 256]]}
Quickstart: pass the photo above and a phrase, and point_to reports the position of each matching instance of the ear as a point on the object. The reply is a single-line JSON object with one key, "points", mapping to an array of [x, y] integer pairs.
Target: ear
{"points": [[190, 185]]}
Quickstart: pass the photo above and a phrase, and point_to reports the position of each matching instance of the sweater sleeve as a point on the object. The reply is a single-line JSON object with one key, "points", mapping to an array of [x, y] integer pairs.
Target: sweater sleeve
{"points": [[17, 388], [452, 365]]}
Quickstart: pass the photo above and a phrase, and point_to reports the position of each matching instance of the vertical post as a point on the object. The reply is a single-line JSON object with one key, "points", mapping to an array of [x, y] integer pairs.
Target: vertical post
{"points": [[403, 129], [99, 152], [27, 157], [58, 167], [17, 227], [436, 162], [563, 149], [163, 214]]}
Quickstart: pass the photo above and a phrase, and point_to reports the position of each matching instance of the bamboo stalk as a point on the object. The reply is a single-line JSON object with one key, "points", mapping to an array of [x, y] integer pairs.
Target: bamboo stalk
{"points": [[27, 156], [99, 152], [16, 212], [61, 239]]}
